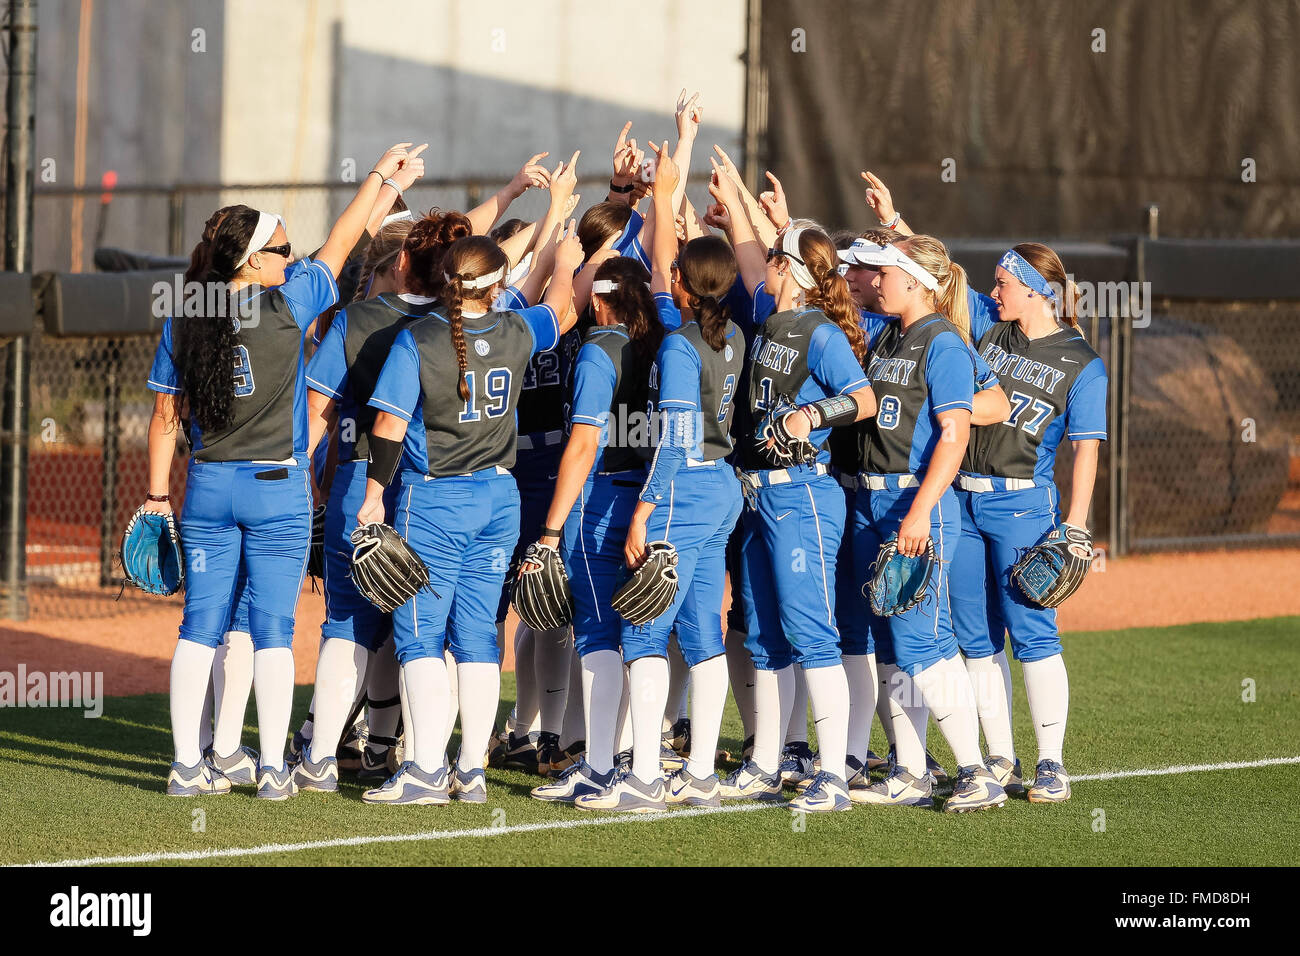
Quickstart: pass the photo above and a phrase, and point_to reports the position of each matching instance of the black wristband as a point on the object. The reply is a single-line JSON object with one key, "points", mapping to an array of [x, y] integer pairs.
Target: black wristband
{"points": [[546, 532], [621, 189], [833, 411], [384, 456], [159, 497]]}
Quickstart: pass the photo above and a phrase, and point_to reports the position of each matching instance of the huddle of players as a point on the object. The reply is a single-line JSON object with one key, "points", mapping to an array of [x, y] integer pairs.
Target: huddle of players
{"points": [[708, 337]]}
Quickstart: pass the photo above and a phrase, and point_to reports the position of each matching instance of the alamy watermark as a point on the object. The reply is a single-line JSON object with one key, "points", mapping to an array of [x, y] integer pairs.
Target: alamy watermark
{"points": [[26, 688], [207, 300]]}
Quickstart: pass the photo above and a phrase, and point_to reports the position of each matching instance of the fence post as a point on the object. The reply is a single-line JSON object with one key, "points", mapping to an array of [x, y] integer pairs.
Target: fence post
{"points": [[108, 484], [176, 223]]}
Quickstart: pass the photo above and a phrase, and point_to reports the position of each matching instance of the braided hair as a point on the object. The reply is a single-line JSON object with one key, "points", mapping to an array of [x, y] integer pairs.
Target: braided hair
{"points": [[831, 293], [381, 255], [205, 345], [707, 271], [466, 259]]}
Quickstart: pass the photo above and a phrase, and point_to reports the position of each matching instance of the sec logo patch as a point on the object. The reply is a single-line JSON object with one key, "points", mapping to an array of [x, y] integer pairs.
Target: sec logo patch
{"points": [[728, 353], [481, 347]]}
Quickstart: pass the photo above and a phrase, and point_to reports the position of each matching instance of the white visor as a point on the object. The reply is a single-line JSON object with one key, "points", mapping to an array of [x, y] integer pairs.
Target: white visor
{"points": [[864, 252]]}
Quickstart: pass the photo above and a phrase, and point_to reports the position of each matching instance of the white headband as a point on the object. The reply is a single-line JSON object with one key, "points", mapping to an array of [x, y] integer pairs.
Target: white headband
{"points": [[482, 282], [798, 270], [262, 233], [867, 253], [603, 286], [402, 216]]}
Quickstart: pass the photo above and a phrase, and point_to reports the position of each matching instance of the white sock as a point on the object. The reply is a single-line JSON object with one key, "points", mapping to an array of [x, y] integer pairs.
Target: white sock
{"points": [[527, 712], [574, 726], [828, 690], [708, 698], [480, 691], [190, 681], [623, 728], [986, 677], [382, 675], [647, 697], [883, 707], [602, 690], [340, 677], [740, 670], [1048, 690], [907, 716], [453, 698], [796, 727], [205, 718], [551, 653], [947, 691], [861, 674], [408, 723], [678, 674], [273, 689], [427, 694], [232, 681], [773, 698]]}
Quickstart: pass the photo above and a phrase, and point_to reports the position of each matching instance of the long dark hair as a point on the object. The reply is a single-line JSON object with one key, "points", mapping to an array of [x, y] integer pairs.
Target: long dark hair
{"points": [[634, 306], [707, 270], [832, 294], [468, 258], [601, 221], [205, 345], [381, 255]]}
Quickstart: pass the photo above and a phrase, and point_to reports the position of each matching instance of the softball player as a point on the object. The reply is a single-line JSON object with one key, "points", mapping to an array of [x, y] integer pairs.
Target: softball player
{"points": [[923, 374], [341, 378], [248, 493], [792, 525], [458, 505], [602, 469], [691, 499], [1008, 500]]}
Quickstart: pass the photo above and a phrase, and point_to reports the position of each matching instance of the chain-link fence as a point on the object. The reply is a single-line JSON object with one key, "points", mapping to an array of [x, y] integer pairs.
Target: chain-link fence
{"points": [[1214, 425]]}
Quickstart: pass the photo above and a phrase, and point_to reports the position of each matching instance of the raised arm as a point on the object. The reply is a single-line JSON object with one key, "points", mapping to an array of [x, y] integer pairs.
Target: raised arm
{"points": [[689, 115], [349, 226], [485, 215], [396, 184], [765, 231], [751, 254], [627, 167], [881, 202], [664, 245], [559, 294]]}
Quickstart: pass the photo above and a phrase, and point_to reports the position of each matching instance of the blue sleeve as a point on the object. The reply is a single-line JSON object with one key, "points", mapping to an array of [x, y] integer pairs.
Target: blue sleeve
{"points": [[985, 377], [949, 373], [1085, 406], [327, 372], [764, 304], [669, 315], [308, 290], [677, 441], [594, 378], [679, 374], [628, 242], [742, 307], [164, 377], [544, 325], [398, 389], [872, 325], [512, 300], [984, 313], [832, 362]]}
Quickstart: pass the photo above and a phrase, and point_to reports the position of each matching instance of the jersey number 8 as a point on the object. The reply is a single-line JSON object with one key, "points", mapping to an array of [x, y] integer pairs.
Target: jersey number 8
{"points": [[889, 414]]}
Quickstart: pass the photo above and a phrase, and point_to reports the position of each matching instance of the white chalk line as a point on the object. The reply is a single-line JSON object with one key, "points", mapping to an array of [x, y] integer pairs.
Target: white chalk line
{"points": [[578, 822]]}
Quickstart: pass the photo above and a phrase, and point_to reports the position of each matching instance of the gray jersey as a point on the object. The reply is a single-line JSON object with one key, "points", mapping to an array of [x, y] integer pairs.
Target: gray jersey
{"points": [[718, 376]]}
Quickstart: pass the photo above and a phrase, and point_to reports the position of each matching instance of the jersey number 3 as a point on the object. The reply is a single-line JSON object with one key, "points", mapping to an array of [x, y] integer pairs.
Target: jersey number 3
{"points": [[497, 389], [243, 373]]}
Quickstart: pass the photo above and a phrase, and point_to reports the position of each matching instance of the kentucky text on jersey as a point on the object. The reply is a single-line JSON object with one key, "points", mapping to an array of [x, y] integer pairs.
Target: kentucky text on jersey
{"points": [[1021, 368], [771, 355], [896, 370]]}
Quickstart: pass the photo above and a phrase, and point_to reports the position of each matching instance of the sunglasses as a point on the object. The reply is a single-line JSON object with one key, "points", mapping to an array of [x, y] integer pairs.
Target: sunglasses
{"points": [[281, 250], [777, 253]]}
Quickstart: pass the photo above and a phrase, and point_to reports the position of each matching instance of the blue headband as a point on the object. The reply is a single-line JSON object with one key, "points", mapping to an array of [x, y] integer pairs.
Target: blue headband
{"points": [[1015, 263]]}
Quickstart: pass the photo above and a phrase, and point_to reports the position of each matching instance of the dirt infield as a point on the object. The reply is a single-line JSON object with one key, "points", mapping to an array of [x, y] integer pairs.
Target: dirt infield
{"points": [[134, 650]]}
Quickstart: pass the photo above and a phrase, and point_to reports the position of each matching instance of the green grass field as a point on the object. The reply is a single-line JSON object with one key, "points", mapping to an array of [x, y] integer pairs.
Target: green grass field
{"points": [[73, 788]]}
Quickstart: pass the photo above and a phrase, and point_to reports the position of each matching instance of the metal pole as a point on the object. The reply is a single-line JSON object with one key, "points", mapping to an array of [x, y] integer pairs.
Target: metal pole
{"points": [[20, 164], [755, 119], [112, 426], [176, 223]]}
